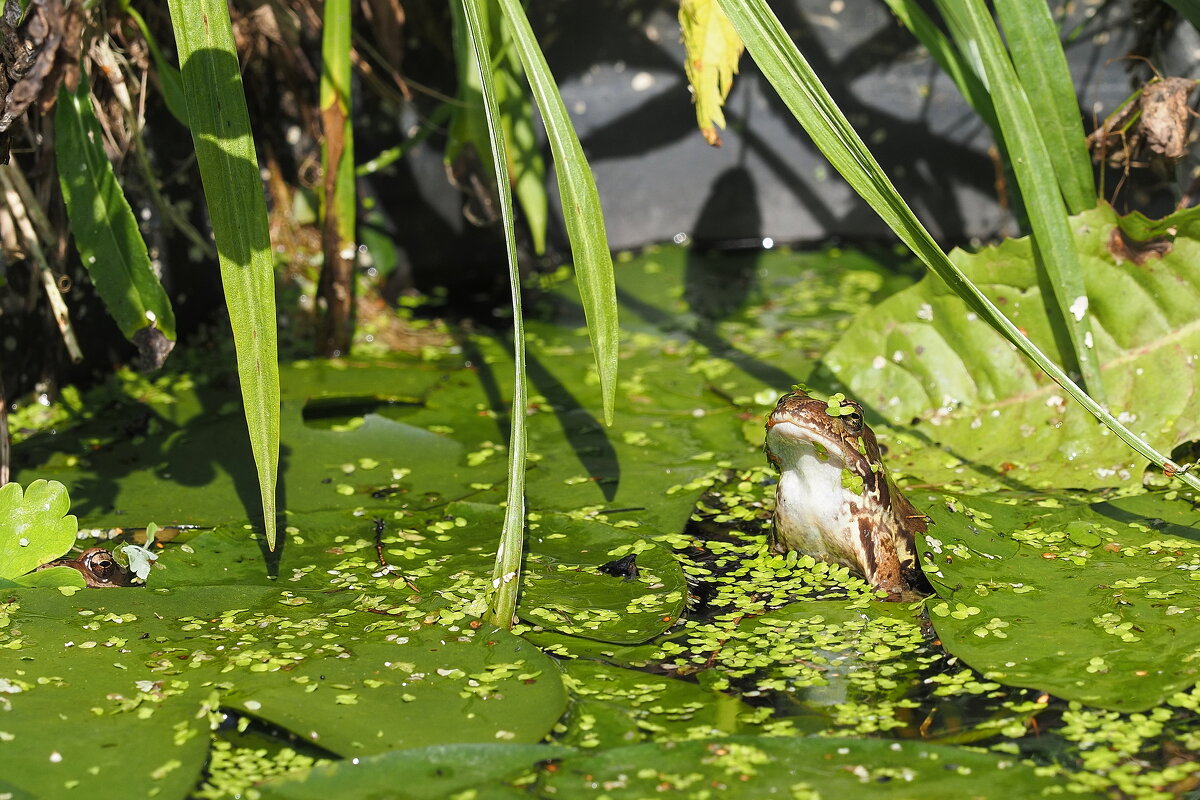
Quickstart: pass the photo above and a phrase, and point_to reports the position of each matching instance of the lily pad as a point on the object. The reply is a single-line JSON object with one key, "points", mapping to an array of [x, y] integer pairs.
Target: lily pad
{"points": [[145, 662], [34, 526], [922, 354], [440, 563], [612, 706], [1096, 603], [424, 772], [756, 767]]}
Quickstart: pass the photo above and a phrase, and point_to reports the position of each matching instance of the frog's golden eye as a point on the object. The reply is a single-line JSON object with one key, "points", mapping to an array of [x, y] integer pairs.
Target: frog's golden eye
{"points": [[853, 421]]}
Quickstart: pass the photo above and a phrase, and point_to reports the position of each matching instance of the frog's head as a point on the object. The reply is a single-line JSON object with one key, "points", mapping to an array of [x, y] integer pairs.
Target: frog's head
{"points": [[831, 430], [100, 569]]}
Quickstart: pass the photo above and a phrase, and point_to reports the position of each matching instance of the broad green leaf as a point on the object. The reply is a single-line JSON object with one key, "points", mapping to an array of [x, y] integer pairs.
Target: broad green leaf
{"points": [[104, 228], [757, 767], [580, 206], [1041, 65], [53, 577], [224, 144], [923, 354], [34, 526], [1029, 154], [1095, 603], [799, 87], [426, 773], [713, 50], [506, 576]]}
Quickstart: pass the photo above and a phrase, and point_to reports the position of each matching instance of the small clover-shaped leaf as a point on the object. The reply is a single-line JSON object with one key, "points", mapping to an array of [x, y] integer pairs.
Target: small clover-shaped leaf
{"points": [[34, 526], [836, 405]]}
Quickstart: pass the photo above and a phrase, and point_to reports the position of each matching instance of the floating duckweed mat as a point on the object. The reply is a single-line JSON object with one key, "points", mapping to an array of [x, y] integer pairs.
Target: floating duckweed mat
{"points": [[756, 767], [84, 680], [714, 667]]}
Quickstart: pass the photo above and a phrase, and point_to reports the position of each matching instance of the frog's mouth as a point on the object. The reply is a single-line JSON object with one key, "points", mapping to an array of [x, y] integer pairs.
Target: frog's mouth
{"points": [[792, 441]]}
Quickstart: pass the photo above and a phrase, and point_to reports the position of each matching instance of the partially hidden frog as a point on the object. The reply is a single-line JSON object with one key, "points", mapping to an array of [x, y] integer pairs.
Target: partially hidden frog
{"points": [[835, 500], [98, 567]]}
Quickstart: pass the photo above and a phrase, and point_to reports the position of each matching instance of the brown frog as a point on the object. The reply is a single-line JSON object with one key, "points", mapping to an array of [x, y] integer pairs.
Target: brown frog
{"points": [[98, 568], [835, 500]]}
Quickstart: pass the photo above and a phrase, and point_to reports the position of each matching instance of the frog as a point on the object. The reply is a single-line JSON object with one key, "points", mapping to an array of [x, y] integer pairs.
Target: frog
{"points": [[835, 500], [99, 568]]}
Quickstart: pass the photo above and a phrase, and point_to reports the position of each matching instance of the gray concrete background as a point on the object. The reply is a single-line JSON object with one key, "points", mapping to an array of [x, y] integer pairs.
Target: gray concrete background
{"points": [[618, 63]]}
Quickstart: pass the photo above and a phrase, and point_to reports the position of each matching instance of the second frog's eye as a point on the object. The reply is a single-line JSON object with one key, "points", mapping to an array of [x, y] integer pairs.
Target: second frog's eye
{"points": [[853, 422]]}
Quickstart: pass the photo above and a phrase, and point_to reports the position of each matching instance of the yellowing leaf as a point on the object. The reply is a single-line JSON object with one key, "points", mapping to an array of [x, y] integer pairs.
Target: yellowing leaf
{"points": [[713, 50]]}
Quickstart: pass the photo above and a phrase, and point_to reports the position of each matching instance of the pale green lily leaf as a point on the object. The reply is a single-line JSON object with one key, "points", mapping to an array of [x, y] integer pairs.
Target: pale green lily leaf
{"points": [[1095, 603], [35, 527], [923, 354]]}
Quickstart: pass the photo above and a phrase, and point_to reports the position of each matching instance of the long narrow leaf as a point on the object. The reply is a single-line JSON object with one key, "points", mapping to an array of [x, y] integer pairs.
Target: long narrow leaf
{"points": [[526, 167], [220, 125], [506, 578], [1189, 9], [580, 207], [799, 87], [168, 74], [339, 199], [942, 50], [1041, 64], [105, 230], [1054, 246]]}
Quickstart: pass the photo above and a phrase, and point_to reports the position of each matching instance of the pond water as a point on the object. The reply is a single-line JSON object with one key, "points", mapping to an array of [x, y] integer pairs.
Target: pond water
{"points": [[1059, 653]]}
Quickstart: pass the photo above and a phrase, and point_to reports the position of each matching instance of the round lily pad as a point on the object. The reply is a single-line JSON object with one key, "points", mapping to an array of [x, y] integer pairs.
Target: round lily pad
{"points": [[1095, 603], [756, 767], [89, 676]]}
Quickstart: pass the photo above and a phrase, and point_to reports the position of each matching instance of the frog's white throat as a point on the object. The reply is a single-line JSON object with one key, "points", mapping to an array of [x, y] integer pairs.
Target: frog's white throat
{"points": [[815, 512]]}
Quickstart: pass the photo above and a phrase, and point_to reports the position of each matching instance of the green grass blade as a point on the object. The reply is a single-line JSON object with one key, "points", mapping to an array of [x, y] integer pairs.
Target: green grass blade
{"points": [[339, 197], [946, 55], [799, 87], [1188, 9], [506, 578], [168, 75], [526, 168], [103, 225], [1041, 65], [1053, 243], [580, 206], [220, 125]]}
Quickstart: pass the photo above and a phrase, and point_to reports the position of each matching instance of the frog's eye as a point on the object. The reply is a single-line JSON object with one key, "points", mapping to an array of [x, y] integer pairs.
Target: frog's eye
{"points": [[102, 565], [853, 421]]}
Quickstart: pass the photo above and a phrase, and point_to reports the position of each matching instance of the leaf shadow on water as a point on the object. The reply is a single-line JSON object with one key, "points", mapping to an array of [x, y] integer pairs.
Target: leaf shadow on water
{"points": [[719, 280], [133, 455], [1129, 512], [585, 434]]}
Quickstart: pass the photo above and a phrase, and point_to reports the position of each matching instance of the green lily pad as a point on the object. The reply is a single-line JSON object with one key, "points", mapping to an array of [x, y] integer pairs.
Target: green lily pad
{"points": [[34, 526], [424, 772], [612, 706], [441, 563], [53, 577], [145, 662], [757, 767], [923, 354], [1095, 603]]}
